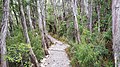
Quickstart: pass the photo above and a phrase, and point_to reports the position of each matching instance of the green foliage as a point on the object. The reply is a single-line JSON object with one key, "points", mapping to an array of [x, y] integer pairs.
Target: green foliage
{"points": [[18, 50], [91, 52], [65, 32], [50, 16], [89, 55], [86, 55], [36, 45], [62, 29], [107, 35]]}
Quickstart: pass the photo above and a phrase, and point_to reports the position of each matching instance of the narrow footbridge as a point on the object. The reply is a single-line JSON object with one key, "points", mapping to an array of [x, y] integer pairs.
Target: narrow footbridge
{"points": [[57, 55]]}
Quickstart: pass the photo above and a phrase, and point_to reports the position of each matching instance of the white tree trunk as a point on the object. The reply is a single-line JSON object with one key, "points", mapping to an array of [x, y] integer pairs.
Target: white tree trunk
{"points": [[23, 21], [63, 6], [3, 33], [116, 31], [98, 12], [74, 7], [29, 16], [82, 10], [44, 24], [43, 16], [90, 15], [41, 24], [86, 7], [55, 16]]}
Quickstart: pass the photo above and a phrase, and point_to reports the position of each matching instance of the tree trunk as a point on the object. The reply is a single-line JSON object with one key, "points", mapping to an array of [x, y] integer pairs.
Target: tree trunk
{"points": [[77, 34], [98, 12], [86, 7], [90, 15], [14, 12], [82, 10], [44, 22], [41, 26], [23, 21], [43, 16], [29, 15], [34, 14], [116, 30], [11, 22], [63, 2], [3, 33], [53, 2]]}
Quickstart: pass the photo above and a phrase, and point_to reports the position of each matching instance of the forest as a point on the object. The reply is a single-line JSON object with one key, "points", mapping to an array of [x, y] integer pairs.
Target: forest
{"points": [[59, 33]]}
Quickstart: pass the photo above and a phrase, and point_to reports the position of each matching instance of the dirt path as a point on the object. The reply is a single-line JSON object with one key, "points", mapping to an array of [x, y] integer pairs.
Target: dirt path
{"points": [[57, 56]]}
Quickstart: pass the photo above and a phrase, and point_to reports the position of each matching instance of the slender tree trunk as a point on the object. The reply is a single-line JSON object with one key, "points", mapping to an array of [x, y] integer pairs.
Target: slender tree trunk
{"points": [[77, 34], [23, 21], [44, 22], [63, 2], [55, 19], [86, 8], [10, 22], [98, 12], [41, 26], [3, 33], [67, 18], [15, 12], [16, 16], [29, 16], [90, 15], [45, 8], [43, 16], [34, 14], [53, 2], [82, 10], [116, 31]]}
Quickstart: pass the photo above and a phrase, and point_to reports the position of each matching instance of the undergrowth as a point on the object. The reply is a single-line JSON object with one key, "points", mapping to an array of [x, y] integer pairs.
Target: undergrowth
{"points": [[18, 50]]}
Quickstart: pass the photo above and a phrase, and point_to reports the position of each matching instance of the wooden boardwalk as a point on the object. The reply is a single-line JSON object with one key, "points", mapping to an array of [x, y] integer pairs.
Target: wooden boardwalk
{"points": [[57, 56]]}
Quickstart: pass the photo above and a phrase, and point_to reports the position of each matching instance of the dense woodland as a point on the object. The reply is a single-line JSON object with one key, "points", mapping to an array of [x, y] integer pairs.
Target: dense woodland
{"points": [[90, 27]]}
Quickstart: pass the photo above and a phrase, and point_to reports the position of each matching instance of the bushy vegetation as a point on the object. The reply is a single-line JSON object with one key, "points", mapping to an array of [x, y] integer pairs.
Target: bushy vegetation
{"points": [[18, 50], [91, 52], [36, 44]]}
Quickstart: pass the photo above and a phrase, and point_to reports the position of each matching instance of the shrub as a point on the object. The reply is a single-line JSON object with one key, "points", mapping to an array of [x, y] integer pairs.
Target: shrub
{"points": [[36, 45], [18, 50], [91, 52]]}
